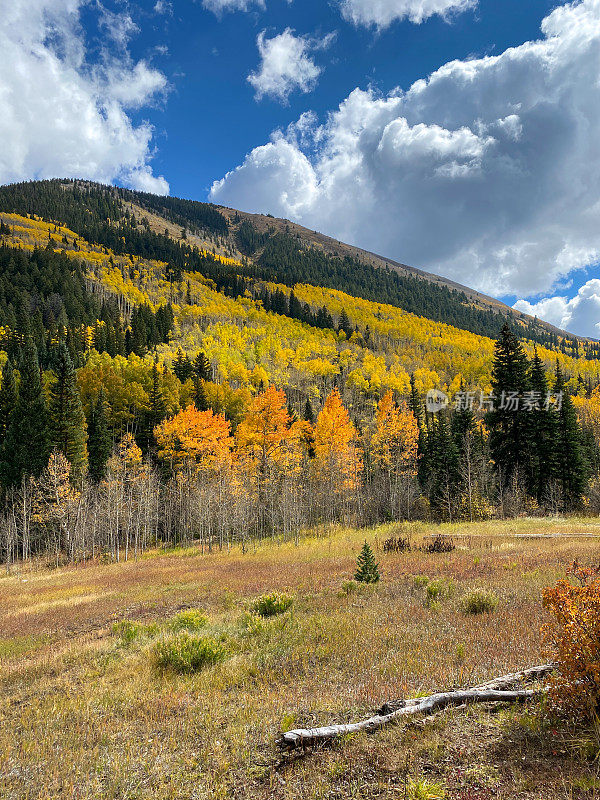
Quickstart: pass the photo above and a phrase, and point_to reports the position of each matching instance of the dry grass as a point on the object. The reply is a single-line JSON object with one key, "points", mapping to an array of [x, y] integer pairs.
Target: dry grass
{"points": [[86, 715]]}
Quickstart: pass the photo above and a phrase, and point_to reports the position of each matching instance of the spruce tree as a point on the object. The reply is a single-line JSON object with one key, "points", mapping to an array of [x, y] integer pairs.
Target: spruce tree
{"points": [[156, 411], [309, 414], [367, 569], [26, 447], [200, 398], [542, 433], [202, 367], [510, 439], [99, 439], [572, 468], [8, 398], [69, 430]]}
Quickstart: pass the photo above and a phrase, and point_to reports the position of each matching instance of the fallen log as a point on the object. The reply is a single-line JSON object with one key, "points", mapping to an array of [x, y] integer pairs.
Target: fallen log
{"points": [[496, 691]]}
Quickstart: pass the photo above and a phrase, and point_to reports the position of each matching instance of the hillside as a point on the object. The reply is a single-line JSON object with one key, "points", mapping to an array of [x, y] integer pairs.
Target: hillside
{"points": [[267, 248]]}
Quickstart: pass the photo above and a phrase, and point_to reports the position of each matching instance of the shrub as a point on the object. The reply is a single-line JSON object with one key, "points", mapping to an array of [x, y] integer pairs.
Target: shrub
{"points": [[348, 588], [479, 601], [420, 581], [573, 639], [367, 569], [440, 544], [269, 605], [397, 544], [423, 789], [185, 653], [189, 620], [126, 631], [435, 591]]}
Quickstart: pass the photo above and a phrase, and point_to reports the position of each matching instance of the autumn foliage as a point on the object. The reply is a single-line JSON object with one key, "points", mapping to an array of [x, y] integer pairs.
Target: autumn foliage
{"points": [[195, 440], [573, 640]]}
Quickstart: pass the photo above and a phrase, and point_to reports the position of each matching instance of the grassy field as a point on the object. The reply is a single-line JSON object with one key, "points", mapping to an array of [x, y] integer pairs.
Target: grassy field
{"points": [[85, 713]]}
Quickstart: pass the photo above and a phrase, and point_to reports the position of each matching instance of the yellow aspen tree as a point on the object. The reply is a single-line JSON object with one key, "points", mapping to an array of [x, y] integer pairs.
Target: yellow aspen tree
{"points": [[394, 447], [196, 440], [338, 462]]}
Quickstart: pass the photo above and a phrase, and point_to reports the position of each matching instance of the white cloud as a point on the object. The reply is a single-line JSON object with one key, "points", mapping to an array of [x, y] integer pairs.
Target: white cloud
{"points": [[579, 314], [220, 6], [62, 116], [487, 172], [286, 64], [382, 13]]}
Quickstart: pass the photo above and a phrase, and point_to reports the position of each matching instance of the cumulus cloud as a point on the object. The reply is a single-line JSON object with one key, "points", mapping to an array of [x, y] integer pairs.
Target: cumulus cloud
{"points": [[286, 64], [579, 314], [220, 6], [487, 172], [382, 13], [63, 116]]}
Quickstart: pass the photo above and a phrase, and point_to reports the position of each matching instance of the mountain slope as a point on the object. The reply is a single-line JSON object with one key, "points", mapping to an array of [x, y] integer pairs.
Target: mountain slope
{"points": [[267, 249]]}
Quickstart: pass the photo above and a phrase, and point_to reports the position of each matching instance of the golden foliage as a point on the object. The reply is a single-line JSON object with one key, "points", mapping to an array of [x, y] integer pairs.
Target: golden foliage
{"points": [[196, 440]]}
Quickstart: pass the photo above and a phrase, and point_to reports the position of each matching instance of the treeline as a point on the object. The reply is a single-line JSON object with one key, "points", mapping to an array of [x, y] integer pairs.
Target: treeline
{"points": [[525, 452], [76, 488]]}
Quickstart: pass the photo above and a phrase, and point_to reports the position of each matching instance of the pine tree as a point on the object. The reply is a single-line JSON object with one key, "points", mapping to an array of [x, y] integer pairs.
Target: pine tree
{"points": [[8, 398], [309, 414], [69, 431], [202, 367], [200, 399], [99, 439], [26, 447], [367, 569], [510, 441], [156, 411], [572, 468], [542, 432]]}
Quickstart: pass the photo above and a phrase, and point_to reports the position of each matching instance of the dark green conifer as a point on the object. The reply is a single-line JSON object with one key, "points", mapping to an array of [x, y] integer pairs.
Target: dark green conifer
{"points": [[69, 430], [8, 398], [367, 569], [99, 439], [572, 468], [26, 447]]}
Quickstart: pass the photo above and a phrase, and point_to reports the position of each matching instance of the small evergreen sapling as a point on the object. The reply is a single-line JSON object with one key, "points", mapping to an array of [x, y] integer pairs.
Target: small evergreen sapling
{"points": [[367, 569]]}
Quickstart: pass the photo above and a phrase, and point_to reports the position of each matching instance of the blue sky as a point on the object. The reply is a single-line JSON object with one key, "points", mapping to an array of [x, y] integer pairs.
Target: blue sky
{"points": [[460, 136]]}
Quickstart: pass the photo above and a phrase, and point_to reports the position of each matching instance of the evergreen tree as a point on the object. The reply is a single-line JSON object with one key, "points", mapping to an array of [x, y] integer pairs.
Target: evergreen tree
{"points": [[200, 398], [202, 367], [26, 447], [309, 414], [99, 439], [572, 468], [69, 431], [156, 411], [8, 398], [542, 434], [510, 439], [367, 569]]}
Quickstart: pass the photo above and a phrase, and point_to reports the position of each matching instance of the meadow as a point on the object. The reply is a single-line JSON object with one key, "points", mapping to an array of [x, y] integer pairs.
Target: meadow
{"points": [[87, 712]]}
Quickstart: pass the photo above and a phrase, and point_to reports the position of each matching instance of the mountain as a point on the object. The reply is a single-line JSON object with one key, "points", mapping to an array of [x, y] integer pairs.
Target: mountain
{"points": [[267, 248]]}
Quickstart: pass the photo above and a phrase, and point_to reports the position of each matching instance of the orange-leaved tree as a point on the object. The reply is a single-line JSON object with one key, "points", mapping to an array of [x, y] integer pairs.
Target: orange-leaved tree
{"points": [[337, 465], [270, 448], [394, 446], [573, 641], [196, 440]]}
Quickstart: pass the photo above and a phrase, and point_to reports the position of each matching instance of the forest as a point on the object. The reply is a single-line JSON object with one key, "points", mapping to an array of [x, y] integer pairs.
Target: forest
{"points": [[170, 393]]}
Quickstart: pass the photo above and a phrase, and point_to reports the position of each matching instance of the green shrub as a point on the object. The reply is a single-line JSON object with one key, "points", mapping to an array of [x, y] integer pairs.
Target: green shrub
{"points": [[348, 588], [436, 590], [423, 789], [269, 605], [420, 581], [192, 619], [185, 653], [127, 631], [479, 601]]}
